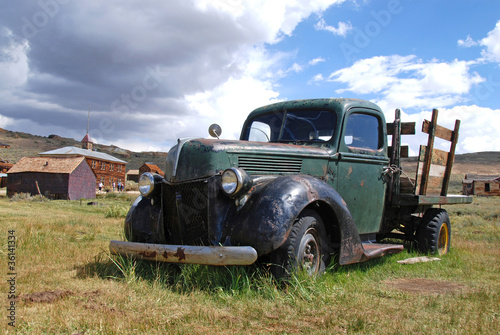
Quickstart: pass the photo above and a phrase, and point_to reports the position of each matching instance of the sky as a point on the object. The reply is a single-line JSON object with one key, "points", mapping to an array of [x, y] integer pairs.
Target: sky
{"points": [[151, 72]]}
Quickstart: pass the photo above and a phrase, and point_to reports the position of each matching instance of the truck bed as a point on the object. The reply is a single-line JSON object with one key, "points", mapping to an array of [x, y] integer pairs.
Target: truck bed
{"points": [[415, 200]]}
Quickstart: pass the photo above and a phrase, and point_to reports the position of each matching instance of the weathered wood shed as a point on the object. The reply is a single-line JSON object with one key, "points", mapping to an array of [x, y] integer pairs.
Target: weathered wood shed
{"points": [[58, 178], [481, 185], [150, 167], [107, 168], [133, 175], [4, 167]]}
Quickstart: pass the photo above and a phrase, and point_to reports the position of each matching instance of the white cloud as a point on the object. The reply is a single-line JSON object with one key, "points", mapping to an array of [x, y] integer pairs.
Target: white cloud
{"points": [[478, 130], [341, 30], [467, 43], [273, 18], [316, 79], [316, 61], [228, 105], [492, 44], [408, 82]]}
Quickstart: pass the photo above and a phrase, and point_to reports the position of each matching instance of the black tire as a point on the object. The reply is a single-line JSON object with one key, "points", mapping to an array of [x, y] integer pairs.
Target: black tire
{"points": [[434, 232], [304, 250]]}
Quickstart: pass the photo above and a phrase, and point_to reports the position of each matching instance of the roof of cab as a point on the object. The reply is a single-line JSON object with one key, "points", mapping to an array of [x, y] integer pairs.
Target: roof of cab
{"points": [[340, 105]]}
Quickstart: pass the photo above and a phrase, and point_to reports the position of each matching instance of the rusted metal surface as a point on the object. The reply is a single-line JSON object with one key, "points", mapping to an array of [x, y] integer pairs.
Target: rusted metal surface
{"points": [[209, 255]]}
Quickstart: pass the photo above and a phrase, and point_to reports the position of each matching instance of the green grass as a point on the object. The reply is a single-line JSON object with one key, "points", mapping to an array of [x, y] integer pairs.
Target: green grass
{"points": [[63, 245]]}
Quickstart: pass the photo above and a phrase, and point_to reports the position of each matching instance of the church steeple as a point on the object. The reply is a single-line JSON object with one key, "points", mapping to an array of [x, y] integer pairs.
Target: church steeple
{"points": [[87, 142]]}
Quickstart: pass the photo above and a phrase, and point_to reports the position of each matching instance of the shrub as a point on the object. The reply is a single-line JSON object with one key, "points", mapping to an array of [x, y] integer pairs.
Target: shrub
{"points": [[28, 197], [116, 211]]}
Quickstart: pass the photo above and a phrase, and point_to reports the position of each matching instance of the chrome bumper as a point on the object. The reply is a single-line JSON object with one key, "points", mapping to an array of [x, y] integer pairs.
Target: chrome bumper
{"points": [[209, 255]]}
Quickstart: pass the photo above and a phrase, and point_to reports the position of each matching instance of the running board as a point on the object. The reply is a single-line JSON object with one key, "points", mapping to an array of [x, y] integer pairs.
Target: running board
{"points": [[375, 250]]}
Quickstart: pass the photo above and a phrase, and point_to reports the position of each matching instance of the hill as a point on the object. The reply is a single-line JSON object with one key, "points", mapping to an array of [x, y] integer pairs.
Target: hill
{"points": [[24, 144], [484, 163]]}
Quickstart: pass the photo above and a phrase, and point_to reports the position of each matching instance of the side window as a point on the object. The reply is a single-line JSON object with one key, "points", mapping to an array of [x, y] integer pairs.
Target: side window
{"points": [[260, 132], [363, 131]]}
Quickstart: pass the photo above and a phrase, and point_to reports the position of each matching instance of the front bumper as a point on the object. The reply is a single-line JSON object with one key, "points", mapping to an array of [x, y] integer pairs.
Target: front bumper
{"points": [[209, 255]]}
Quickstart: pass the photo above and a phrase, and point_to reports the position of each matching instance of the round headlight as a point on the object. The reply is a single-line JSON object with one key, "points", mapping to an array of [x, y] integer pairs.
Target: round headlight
{"points": [[235, 182], [229, 182], [146, 184]]}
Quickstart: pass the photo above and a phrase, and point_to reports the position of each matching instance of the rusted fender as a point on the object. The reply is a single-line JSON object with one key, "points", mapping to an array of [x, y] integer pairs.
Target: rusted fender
{"points": [[266, 220], [208, 255], [144, 221]]}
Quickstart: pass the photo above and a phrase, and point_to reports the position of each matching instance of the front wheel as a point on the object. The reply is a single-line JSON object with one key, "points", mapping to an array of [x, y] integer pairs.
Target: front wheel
{"points": [[304, 250], [434, 232]]}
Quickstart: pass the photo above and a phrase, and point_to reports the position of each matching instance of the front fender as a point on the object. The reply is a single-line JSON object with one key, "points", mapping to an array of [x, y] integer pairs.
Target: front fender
{"points": [[267, 218], [144, 221]]}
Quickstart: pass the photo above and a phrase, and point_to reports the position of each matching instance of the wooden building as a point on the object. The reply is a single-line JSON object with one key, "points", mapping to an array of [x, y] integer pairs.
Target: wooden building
{"points": [[108, 169], [481, 185], [4, 167], [150, 167], [133, 175], [57, 178], [4, 145]]}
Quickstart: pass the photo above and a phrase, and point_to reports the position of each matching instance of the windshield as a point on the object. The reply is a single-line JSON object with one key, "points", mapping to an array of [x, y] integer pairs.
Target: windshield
{"points": [[292, 126]]}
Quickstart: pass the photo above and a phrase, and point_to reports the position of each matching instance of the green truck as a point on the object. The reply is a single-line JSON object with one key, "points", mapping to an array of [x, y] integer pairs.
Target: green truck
{"points": [[307, 180]]}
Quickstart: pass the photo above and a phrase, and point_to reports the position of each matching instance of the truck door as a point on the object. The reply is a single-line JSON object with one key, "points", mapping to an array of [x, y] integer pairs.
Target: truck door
{"points": [[360, 166]]}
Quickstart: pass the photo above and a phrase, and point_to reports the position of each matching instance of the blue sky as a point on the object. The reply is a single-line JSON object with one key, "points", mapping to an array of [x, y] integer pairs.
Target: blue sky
{"points": [[154, 71]]}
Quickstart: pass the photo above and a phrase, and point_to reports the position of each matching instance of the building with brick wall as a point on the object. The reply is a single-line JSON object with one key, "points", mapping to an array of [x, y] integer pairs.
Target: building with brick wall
{"points": [[109, 170], [68, 178]]}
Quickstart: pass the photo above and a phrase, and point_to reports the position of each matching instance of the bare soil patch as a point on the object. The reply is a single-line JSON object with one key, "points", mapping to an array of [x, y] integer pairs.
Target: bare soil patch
{"points": [[45, 296], [426, 286]]}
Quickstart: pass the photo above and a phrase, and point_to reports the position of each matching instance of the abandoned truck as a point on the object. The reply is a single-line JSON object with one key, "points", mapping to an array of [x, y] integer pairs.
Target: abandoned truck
{"points": [[308, 179]]}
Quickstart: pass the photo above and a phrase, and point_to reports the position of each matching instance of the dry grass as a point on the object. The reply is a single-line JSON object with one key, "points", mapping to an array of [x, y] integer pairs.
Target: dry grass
{"points": [[67, 284]]}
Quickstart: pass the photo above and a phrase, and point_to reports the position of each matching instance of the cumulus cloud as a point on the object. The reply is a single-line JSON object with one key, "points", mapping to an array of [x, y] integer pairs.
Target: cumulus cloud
{"points": [[471, 118], [492, 45], [467, 43], [149, 70], [407, 81]]}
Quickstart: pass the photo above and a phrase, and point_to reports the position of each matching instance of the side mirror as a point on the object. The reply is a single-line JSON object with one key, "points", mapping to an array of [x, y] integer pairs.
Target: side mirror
{"points": [[215, 130]]}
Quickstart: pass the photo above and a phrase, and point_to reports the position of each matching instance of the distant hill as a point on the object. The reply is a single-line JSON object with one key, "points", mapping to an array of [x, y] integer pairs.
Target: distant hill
{"points": [[485, 163], [23, 144], [26, 145]]}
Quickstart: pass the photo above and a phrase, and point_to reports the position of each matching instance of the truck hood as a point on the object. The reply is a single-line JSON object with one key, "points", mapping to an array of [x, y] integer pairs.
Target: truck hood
{"points": [[200, 158]]}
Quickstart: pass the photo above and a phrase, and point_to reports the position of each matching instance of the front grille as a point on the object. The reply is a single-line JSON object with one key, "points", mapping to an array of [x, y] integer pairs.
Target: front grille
{"points": [[186, 212], [265, 165]]}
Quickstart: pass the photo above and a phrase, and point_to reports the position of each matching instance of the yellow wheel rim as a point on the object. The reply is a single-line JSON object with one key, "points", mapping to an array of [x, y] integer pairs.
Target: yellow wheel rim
{"points": [[444, 239]]}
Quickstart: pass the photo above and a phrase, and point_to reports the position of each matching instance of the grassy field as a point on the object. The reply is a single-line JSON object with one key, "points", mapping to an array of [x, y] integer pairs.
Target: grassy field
{"points": [[66, 283]]}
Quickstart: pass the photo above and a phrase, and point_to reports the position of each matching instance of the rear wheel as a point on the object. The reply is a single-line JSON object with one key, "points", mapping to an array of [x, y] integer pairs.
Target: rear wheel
{"points": [[304, 250], [434, 232]]}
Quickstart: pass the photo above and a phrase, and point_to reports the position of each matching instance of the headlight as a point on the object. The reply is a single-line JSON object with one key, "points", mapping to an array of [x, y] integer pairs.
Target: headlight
{"points": [[235, 182], [146, 184]]}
